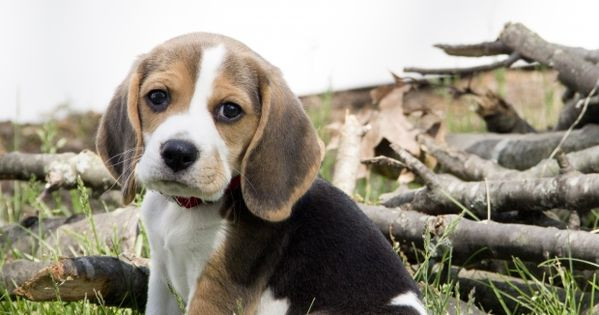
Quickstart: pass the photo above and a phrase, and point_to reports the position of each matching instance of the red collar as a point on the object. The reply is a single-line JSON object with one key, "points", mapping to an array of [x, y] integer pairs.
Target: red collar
{"points": [[190, 202]]}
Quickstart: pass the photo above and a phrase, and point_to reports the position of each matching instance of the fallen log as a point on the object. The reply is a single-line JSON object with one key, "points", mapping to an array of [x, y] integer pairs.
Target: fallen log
{"points": [[24, 237], [443, 195], [61, 236], [471, 167], [100, 279], [486, 239], [58, 170], [524, 151]]}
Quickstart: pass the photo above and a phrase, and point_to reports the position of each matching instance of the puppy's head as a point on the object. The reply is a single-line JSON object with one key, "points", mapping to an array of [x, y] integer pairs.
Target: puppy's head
{"points": [[201, 109]]}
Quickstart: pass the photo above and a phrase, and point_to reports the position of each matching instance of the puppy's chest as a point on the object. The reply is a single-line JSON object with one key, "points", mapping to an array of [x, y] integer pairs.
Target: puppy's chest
{"points": [[181, 240]]}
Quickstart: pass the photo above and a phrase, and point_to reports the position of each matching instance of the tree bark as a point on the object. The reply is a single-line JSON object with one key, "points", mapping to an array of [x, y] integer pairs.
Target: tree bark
{"points": [[58, 170], [467, 70], [100, 279], [449, 195], [499, 115], [348, 155], [62, 235], [471, 167], [476, 50], [523, 151], [499, 48], [24, 236], [574, 71], [486, 239], [572, 109]]}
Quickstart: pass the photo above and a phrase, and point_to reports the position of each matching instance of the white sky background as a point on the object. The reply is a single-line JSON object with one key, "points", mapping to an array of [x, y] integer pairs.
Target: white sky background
{"points": [[78, 51]]}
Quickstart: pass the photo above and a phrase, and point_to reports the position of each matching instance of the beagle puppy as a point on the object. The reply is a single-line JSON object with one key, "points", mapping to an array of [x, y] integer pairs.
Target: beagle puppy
{"points": [[237, 220]]}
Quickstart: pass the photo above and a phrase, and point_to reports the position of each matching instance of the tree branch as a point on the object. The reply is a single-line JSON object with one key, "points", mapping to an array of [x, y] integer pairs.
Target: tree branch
{"points": [[487, 239], [499, 115], [348, 154], [568, 191], [574, 71], [476, 50], [468, 70], [58, 170], [523, 151], [471, 167]]}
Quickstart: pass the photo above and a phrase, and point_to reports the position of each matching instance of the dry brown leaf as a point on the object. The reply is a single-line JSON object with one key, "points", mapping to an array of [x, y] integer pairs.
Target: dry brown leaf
{"points": [[390, 123], [378, 93]]}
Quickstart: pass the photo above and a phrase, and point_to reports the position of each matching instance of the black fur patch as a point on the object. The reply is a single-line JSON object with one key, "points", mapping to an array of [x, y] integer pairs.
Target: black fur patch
{"points": [[328, 256]]}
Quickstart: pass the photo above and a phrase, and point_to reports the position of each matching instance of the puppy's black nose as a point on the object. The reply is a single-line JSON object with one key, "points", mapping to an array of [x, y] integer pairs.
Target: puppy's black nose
{"points": [[178, 154]]}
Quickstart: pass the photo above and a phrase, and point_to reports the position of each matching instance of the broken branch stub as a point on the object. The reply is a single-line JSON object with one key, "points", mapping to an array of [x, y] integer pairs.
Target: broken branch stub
{"points": [[348, 155]]}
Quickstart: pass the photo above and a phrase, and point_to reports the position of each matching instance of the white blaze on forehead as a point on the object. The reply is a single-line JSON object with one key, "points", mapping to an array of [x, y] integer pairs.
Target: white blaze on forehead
{"points": [[197, 126], [208, 69]]}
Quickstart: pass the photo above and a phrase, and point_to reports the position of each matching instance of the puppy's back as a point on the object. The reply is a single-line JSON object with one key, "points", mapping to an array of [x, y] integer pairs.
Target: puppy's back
{"points": [[337, 260]]}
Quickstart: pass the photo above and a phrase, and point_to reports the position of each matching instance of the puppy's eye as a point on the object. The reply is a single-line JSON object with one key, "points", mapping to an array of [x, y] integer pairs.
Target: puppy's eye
{"points": [[158, 100], [229, 112]]}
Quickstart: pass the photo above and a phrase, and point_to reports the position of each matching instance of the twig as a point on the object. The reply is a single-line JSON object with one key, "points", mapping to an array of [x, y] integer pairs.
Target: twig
{"points": [[382, 160], [582, 112], [469, 70], [488, 195], [476, 50], [429, 178], [564, 164]]}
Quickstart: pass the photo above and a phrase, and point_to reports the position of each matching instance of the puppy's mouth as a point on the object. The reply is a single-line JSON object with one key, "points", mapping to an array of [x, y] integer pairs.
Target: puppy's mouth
{"points": [[192, 202]]}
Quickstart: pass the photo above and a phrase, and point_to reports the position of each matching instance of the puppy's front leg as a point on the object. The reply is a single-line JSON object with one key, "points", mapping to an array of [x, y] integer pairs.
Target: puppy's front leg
{"points": [[160, 298], [217, 293]]}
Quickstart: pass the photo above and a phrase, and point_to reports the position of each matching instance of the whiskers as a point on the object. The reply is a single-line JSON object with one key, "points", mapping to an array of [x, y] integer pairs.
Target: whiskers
{"points": [[118, 156], [133, 159], [245, 179]]}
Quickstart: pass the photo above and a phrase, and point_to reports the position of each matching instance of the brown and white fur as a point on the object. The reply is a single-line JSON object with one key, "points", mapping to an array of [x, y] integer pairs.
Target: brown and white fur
{"points": [[282, 241]]}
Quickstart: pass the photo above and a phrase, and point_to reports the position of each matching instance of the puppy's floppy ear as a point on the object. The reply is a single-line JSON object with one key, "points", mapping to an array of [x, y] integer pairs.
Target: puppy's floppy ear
{"points": [[119, 141], [283, 158]]}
